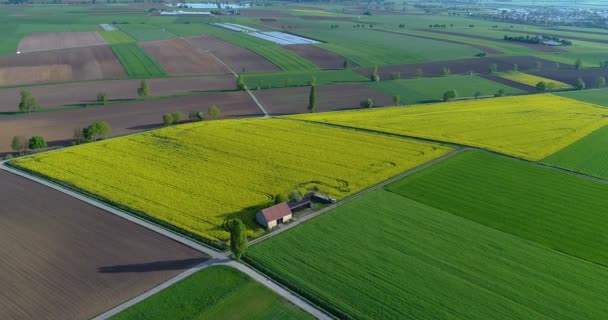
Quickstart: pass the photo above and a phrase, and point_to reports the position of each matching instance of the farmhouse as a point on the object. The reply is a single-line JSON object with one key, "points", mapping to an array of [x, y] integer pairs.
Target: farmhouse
{"points": [[271, 217]]}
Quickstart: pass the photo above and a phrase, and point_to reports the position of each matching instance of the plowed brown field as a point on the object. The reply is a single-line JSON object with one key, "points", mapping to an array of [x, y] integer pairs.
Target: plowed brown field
{"points": [[321, 57], [61, 258], [60, 65], [58, 127], [59, 40], [179, 57], [334, 97], [238, 59]]}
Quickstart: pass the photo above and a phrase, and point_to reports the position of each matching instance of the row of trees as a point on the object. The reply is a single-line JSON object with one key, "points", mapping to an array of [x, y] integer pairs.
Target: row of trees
{"points": [[176, 117], [21, 144]]}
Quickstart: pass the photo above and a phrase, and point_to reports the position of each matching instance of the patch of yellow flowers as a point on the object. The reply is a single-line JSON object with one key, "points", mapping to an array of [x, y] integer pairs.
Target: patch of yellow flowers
{"points": [[532, 80], [531, 127], [195, 176]]}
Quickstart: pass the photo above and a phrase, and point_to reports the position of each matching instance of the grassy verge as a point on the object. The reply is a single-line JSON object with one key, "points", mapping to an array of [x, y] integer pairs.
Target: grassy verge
{"points": [[136, 61]]}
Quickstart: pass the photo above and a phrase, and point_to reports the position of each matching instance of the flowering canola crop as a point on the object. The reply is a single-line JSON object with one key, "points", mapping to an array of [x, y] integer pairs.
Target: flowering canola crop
{"points": [[531, 127], [532, 80], [195, 176]]}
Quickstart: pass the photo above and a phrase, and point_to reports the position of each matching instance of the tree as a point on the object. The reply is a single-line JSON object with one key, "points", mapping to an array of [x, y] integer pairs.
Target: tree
{"points": [[557, 66], [240, 82], [515, 67], [37, 142], [367, 103], [541, 86], [375, 77], [450, 95], [96, 130], [445, 71], [499, 93], [578, 64], [493, 68], [580, 84], [477, 94], [102, 98], [213, 112], [177, 116], [196, 116], [295, 195], [396, 100], [345, 64], [312, 99], [238, 237], [419, 73], [28, 102], [167, 119], [600, 82], [19, 144], [8, 156], [144, 89], [280, 198], [538, 65]]}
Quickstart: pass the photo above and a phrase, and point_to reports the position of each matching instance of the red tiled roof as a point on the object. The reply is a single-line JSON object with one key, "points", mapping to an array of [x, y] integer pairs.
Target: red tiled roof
{"points": [[276, 212]]}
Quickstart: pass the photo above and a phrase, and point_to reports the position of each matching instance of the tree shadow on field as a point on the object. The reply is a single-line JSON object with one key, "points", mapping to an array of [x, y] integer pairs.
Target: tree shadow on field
{"points": [[153, 266]]}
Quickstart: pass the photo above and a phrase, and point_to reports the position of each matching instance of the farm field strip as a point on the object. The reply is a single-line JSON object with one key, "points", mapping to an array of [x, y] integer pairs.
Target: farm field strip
{"points": [[115, 37], [217, 292], [532, 80], [59, 40], [236, 167], [569, 218], [60, 257], [587, 156], [386, 256], [136, 61], [180, 57], [530, 127], [267, 80]]}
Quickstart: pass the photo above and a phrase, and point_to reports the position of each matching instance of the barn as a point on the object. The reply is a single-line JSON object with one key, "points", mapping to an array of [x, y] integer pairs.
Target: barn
{"points": [[272, 216]]}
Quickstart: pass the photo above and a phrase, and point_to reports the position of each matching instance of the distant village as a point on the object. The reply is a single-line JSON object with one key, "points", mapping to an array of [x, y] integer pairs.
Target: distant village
{"points": [[549, 16]]}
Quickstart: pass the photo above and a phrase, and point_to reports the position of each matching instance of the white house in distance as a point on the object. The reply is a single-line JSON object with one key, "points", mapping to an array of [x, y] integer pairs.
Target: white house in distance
{"points": [[272, 216]]}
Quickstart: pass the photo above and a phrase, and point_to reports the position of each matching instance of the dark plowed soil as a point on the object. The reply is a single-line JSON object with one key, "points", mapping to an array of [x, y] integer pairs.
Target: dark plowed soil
{"points": [[570, 76], [50, 96], [334, 97], [58, 126], [510, 83], [537, 47], [64, 259], [237, 58], [180, 57], [321, 57], [477, 65], [482, 48]]}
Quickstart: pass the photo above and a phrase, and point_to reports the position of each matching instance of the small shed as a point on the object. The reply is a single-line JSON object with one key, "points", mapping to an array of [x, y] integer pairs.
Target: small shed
{"points": [[272, 216]]}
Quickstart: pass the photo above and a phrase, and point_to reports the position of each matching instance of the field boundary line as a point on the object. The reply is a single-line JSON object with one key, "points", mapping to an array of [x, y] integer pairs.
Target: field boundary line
{"points": [[362, 193]]}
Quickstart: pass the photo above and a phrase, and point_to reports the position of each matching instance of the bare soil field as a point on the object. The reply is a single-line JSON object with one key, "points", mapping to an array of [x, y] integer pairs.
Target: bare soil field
{"points": [[482, 48], [124, 118], [64, 259], [237, 58], [322, 58], [74, 64], [537, 47], [180, 57], [334, 97], [570, 76], [477, 65], [67, 94], [59, 40]]}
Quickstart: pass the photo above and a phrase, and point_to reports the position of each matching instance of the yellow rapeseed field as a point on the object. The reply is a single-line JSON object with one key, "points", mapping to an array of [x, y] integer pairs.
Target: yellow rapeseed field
{"points": [[195, 176], [531, 127], [532, 80]]}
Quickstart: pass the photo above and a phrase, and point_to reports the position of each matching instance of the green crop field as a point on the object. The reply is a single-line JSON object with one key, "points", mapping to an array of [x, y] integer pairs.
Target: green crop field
{"points": [[214, 293], [370, 48], [145, 32], [555, 209], [115, 37], [383, 256], [588, 155], [599, 97], [432, 89], [136, 61], [300, 78], [282, 58]]}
